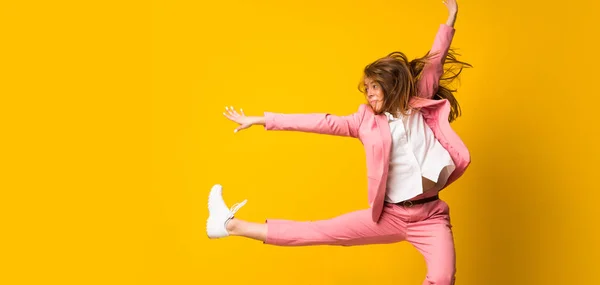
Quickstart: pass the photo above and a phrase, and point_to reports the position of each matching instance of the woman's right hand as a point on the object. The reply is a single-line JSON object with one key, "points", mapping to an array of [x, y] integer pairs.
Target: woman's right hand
{"points": [[242, 120]]}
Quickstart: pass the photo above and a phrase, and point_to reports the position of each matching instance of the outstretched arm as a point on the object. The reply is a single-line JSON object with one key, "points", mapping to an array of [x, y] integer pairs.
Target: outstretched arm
{"points": [[433, 69], [321, 123]]}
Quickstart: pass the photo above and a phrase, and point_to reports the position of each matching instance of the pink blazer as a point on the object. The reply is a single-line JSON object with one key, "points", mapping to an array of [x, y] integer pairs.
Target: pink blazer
{"points": [[374, 132]]}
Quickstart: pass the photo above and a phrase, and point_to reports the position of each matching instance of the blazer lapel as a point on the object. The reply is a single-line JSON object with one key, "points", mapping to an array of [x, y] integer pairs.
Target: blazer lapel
{"points": [[386, 142]]}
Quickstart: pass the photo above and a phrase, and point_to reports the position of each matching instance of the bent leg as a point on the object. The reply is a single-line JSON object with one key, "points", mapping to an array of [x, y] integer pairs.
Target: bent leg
{"points": [[355, 228], [434, 239]]}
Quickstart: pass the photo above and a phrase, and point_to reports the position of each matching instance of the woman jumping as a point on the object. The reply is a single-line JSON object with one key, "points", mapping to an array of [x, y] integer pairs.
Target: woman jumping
{"points": [[412, 153]]}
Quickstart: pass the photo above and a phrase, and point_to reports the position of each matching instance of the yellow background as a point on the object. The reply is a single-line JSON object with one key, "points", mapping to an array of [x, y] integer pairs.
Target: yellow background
{"points": [[112, 135]]}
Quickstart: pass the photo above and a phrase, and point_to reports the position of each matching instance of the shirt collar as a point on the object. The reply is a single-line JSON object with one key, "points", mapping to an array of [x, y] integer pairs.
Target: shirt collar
{"points": [[391, 117]]}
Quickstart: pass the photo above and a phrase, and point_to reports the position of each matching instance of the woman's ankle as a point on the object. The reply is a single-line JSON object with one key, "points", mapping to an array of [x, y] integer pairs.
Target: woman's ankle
{"points": [[231, 226]]}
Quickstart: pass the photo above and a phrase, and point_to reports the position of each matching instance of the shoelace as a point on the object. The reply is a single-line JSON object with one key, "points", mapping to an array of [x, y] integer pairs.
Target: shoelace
{"points": [[237, 206]]}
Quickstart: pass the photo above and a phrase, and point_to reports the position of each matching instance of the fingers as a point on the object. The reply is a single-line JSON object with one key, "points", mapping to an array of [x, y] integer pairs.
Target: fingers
{"points": [[241, 128], [229, 111], [232, 112], [449, 3]]}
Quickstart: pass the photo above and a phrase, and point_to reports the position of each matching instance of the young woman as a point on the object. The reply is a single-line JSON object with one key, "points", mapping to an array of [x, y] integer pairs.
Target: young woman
{"points": [[411, 152]]}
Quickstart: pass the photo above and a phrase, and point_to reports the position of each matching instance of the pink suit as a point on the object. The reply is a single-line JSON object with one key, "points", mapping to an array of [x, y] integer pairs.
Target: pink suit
{"points": [[426, 226]]}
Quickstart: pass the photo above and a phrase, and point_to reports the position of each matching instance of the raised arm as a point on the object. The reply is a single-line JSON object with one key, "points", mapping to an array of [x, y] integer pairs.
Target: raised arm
{"points": [[321, 123], [452, 11], [433, 69]]}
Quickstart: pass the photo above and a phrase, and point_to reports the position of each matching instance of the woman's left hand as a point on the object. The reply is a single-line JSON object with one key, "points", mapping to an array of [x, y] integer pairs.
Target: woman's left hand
{"points": [[451, 5]]}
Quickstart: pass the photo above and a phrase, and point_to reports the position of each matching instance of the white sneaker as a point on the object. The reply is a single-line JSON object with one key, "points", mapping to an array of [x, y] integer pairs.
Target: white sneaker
{"points": [[219, 214]]}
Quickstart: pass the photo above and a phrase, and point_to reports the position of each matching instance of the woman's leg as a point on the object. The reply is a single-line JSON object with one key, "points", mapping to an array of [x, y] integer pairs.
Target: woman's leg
{"points": [[433, 237], [237, 227], [355, 228]]}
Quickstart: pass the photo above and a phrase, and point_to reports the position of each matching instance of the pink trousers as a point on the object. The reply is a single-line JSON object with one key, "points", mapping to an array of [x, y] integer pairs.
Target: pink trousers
{"points": [[426, 226]]}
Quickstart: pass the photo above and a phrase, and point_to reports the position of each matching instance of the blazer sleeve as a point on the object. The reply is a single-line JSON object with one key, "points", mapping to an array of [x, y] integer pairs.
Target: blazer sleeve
{"points": [[320, 123], [432, 71]]}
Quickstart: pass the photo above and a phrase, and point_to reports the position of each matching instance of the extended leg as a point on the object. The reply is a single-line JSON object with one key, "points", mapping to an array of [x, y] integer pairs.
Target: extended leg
{"points": [[355, 228]]}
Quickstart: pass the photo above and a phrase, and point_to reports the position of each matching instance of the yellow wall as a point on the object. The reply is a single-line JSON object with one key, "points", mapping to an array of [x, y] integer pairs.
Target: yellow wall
{"points": [[112, 135]]}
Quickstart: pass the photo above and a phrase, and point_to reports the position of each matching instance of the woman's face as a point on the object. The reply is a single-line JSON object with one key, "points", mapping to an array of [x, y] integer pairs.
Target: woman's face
{"points": [[374, 94]]}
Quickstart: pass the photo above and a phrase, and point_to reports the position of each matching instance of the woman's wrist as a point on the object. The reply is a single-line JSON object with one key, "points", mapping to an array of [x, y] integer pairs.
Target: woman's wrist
{"points": [[258, 120], [451, 18]]}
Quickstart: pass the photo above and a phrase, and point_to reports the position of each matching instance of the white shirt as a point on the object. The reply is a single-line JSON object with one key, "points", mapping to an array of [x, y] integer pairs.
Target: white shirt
{"points": [[415, 153]]}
